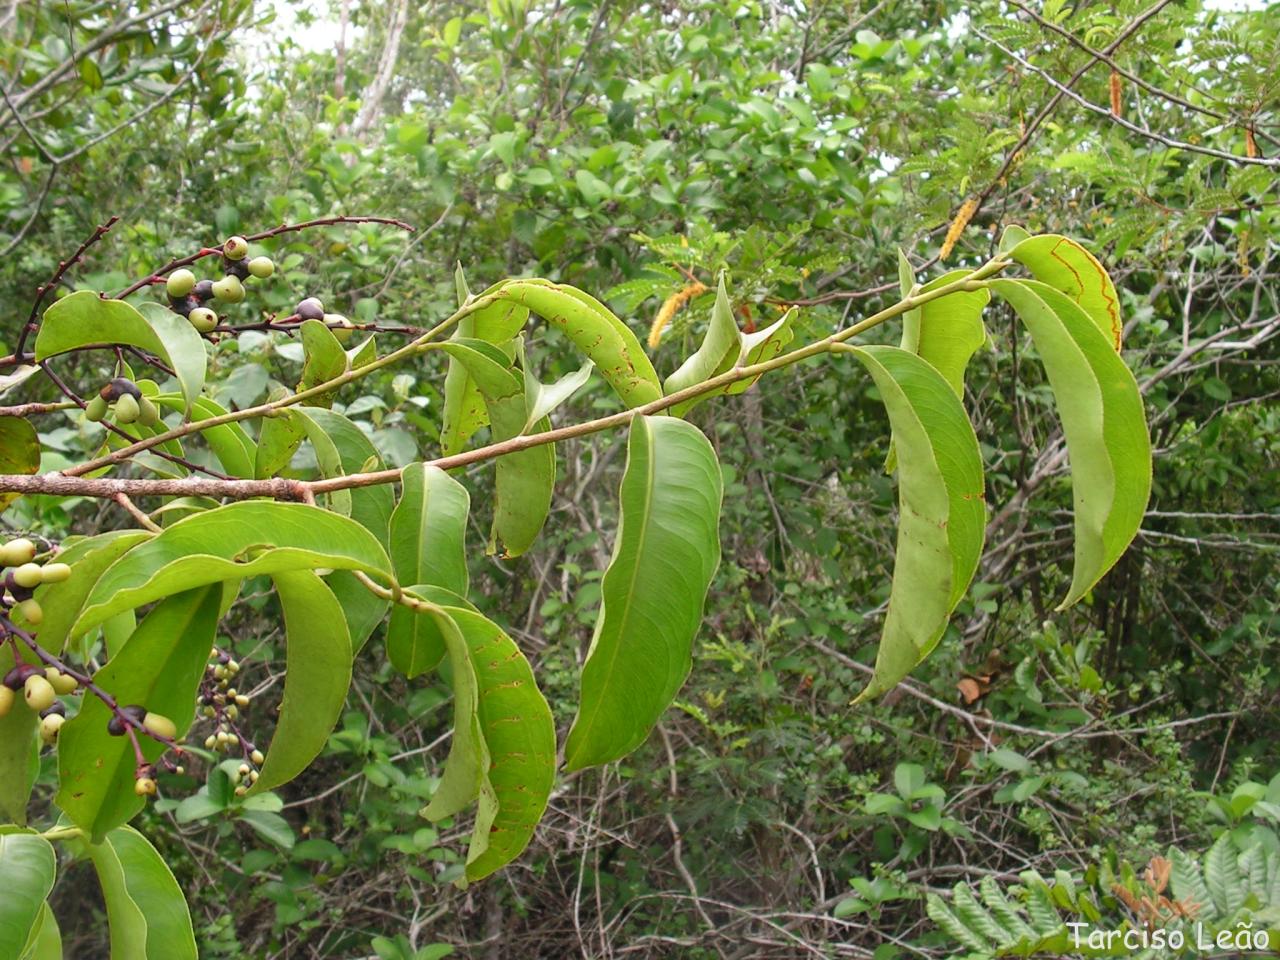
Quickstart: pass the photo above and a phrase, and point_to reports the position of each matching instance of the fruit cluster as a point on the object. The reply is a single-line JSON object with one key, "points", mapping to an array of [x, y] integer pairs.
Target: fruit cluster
{"points": [[221, 702], [23, 576], [40, 689], [188, 296], [130, 405], [156, 725]]}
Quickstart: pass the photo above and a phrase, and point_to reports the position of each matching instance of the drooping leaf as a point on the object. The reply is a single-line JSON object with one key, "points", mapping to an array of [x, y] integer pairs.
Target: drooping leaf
{"points": [[250, 538], [1065, 265], [83, 318], [46, 939], [160, 668], [146, 910], [342, 448], [427, 546], [947, 331], [29, 866], [941, 511], [323, 360], [234, 448], [464, 412], [592, 326], [19, 753], [666, 551], [19, 451], [88, 558], [717, 353], [526, 478], [466, 769], [1102, 420], [317, 676], [363, 609]]}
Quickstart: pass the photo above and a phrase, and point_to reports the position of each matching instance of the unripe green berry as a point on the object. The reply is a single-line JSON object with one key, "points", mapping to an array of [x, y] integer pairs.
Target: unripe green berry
{"points": [[262, 267], [242, 700], [310, 309], [7, 699], [55, 573], [148, 414], [62, 682], [241, 791], [180, 283], [210, 742], [144, 787], [257, 757], [95, 409], [229, 289], [339, 326], [233, 712], [38, 692], [17, 552], [160, 725], [235, 248], [127, 409], [50, 726], [28, 575], [31, 611], [244, 769], [203, 319]]}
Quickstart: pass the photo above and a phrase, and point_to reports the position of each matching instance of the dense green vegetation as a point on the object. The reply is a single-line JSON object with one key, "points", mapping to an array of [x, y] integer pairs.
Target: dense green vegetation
{"points": [[1037, 762]]}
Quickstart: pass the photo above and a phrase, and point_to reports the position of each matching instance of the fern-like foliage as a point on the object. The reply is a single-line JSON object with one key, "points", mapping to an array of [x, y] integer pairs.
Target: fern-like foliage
{"points": [[1235, 886]]}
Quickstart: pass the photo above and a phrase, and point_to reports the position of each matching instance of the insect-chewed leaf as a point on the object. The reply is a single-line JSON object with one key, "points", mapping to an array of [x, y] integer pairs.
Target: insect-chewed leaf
{"points": [[595, 330], [324, 359], [667, 549], [526, 478], [519, 740], [19, 754], [428, 546], [160, 667], [1064, 264], [1103, 422], [234, 449], [29, 866], [317, 676], [246, 539], [83, 318], [146, 911], [941, 511]]}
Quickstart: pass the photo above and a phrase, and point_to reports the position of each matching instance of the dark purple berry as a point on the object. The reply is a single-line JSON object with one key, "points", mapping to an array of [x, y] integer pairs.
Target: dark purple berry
{"points": [[203, 290], [55, 708], [17, 677], [237, 268]]}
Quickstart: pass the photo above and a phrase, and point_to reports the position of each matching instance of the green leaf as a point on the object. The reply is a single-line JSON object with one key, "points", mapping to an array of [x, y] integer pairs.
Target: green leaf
{"points": [[759, 347], [342, 448], [246, 539], [520, 740], [19, 753], [1065, 265], [1186, 880], [526, 478], [28, 865], [270, 826], [718, 352], [941, 512], [465, 774], [159, 667], [324, 359], [46, 939], [464, 412], [595, 330], [317, 676], [948, 330], [234, 449], [88, 559], [146, 910], [666, 551], [279, 438], [427, 546], [540, 398], [19, 451], [1103, 422], [83, 318], [1222, 877]]}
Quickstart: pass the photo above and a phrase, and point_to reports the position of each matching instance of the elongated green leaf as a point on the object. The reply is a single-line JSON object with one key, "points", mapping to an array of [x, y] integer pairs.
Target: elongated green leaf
{"points": [[234, 449], [466, 774], [88, 559], [19, 754], [543, 398], [317, 676], [464, 408], [46, 939], [595, 330], [126, 922], [280, 437], [159, 667], [323, 360], [941, 511], [1103, 422], [666, 551], [83, 318], [139, 875], [364, 610], [525, 479], [239, 540], [1222, 877], [1065, 265], [342, 448], [19, 451], [717, 353], [28, 865], [428, 546], [947, 331]]}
